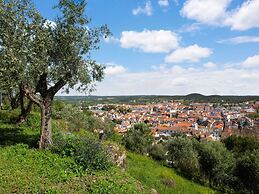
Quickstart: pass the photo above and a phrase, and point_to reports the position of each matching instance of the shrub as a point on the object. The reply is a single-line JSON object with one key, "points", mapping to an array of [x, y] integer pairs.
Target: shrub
{"points": [[138, 138], [86, 152], [184, 157], [240, 144], [216, 163], [158, 152], [76, 120], [247, 172]]}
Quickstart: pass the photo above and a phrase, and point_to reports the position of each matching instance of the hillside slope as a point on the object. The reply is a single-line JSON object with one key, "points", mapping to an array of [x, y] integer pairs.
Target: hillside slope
{"points": [[162, 179], [26, 169]]}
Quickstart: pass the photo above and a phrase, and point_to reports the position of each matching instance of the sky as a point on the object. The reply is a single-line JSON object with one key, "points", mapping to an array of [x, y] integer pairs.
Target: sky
{"points": [[175, 47]]}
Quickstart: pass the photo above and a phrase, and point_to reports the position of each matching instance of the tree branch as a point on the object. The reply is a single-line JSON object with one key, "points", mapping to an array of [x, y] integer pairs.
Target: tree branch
{"points": [[61, 83], [42, 85], [31, 95]]}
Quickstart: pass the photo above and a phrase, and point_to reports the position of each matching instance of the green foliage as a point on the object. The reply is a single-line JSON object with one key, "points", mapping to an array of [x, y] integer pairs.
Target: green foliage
{"points": [[216, 164], [162, 179], [138, 138], [86, 152], [83, 120], [158, 152], [184, 157], [31, 43], [9, 116], [247, 172], [239, 144]]}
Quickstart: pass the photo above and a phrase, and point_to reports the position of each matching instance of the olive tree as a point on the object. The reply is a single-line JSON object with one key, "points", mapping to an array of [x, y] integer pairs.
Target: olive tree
{"points": [[49, 56], [13, 51]]}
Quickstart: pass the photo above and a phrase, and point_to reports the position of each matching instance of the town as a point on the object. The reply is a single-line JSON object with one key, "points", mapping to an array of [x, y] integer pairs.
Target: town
{"points": [[208, 121]]}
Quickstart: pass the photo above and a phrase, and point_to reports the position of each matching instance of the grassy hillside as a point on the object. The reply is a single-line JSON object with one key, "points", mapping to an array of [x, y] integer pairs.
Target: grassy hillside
{"points": [[161, 178], [26, 169]]}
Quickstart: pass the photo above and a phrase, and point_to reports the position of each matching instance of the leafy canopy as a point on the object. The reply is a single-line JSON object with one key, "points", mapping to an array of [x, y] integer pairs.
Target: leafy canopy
{"points": [[31, 46]]}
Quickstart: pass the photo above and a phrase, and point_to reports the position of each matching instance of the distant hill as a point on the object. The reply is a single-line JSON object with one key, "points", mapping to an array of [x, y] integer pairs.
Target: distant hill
{"points": [[144, 99]]}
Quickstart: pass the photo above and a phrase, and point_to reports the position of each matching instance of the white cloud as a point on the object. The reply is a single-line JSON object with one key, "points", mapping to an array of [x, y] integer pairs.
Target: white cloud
{"points": [[211, 12], [209, 65], [240, 40], [114, 69], [183, 81], [190, 27], [146, 10], [251, 62], [205, 11], [163, 3], [191, 53], [150, 40], [245, 17]]}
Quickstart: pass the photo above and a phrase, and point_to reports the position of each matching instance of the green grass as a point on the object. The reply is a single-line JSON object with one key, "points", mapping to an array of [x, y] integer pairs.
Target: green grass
{"points": [[161, 178], [25, 170]]}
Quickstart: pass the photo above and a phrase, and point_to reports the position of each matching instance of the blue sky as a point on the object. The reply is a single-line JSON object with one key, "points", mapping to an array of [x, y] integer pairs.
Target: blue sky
{"points": [[175, 47]]}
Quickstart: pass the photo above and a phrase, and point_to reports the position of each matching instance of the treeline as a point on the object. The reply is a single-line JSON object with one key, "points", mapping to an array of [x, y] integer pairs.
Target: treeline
{"points": [[230, 166], [153, 99]]}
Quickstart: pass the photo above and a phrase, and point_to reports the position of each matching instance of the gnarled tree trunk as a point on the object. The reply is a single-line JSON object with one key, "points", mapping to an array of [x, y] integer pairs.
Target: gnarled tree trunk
{"points": [[46, 136], [44, 101]]}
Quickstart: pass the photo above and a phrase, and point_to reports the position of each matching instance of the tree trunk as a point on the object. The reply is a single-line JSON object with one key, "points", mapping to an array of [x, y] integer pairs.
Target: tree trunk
{"points": [[44, 101], [24, 111], [46, 136]]}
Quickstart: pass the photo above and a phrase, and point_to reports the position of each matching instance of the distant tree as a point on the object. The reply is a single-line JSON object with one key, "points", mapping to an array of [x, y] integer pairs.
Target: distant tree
{"points": [[239, 144], [138, 138], [47, 56]]}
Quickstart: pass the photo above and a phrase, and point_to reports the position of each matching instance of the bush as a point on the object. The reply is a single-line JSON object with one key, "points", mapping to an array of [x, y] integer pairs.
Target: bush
{"points": [[184, 157], [138, 138], [86, 152], [240, 144], [216, 164], [158, 152], [247, 172], [77, 120]]}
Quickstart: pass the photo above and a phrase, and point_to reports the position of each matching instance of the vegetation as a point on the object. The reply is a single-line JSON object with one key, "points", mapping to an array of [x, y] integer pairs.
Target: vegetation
{"points": [[138, 139], [86, 152], [24, 170], [154, 99], [158, 152], [183, 156], [76, 163], [42, 57], [162, 179], [231, 166]]}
